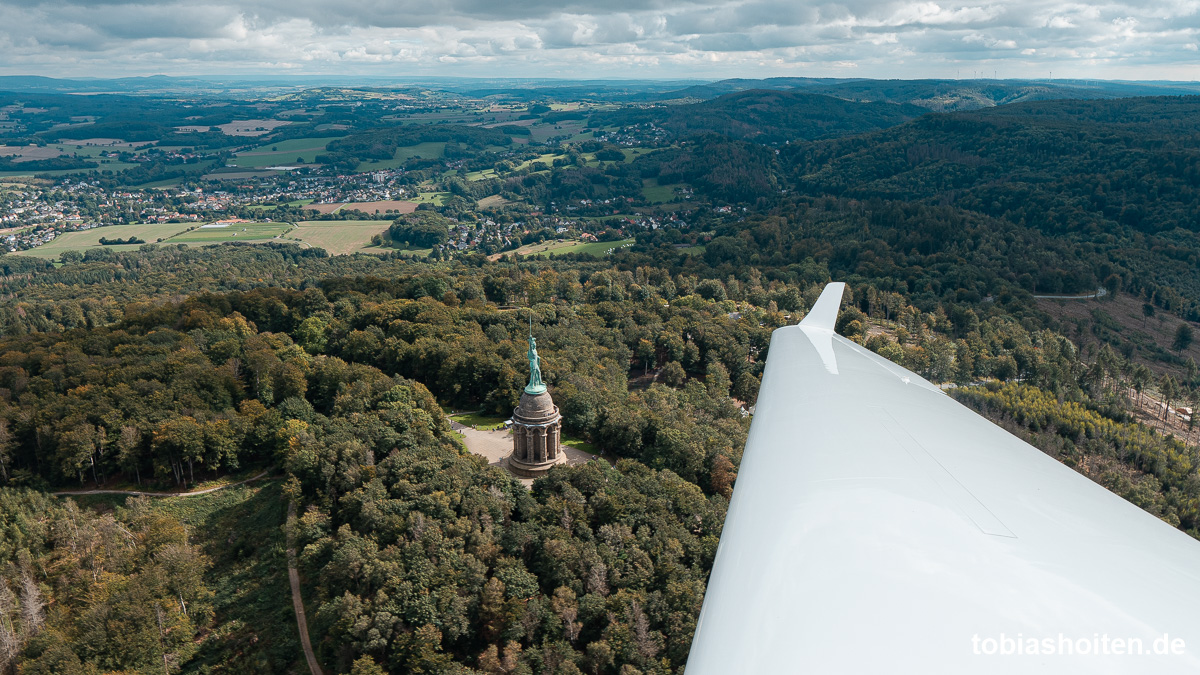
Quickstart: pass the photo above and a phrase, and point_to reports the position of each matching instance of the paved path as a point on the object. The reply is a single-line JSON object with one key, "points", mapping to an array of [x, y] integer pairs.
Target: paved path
{"points": [[137, 493], [297, 601], [496, 445], [1100, 293]]}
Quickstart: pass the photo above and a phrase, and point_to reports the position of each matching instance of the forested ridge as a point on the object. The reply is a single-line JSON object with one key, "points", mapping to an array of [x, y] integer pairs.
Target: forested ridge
{"points": [[172, 367]]}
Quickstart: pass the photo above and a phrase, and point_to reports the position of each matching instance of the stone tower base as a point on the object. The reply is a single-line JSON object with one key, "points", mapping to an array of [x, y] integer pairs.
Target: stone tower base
{"points": [[524, 470]]}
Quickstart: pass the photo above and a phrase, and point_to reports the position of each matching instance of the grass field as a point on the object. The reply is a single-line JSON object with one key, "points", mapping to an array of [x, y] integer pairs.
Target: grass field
{"points": [[596, 248], [339, 236], [491, 202], [435, 198], [81, 241], [572, 128], [272, 207], [657, 194], [234, 232], [475, 419], [578, 444], [633, 153], [431, 150], [547, 159], [481, 175], [90, 152], [283, 153]]}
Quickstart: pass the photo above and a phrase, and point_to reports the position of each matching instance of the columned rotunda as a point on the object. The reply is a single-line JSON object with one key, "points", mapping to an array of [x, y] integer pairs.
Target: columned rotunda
{"points": [[536, 425]]}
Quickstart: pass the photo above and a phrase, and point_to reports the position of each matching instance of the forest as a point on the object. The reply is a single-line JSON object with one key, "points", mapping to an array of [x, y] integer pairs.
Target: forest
{"points": [[298, 381]]}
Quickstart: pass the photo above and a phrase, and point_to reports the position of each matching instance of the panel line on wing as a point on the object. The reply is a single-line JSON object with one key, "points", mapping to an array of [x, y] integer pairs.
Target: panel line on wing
{"points": [[967, 503]]}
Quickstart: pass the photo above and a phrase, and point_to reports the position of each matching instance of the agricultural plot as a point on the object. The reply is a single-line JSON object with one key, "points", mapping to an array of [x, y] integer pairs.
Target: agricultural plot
{"points": [[238, 127], [377, 208], [492, 202], [430, 150], [238, 175], [28, 153], [89, 149], [382, 207], [596, 248], [282, 153], [217, 234], [339, 237], [481, 175], [272, 207], [82, 241], [572, 129]]}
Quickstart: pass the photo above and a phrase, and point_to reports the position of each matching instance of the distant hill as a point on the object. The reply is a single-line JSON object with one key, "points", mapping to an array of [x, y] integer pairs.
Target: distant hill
{"points": [[942, 95], [710, 90], [1124, 168], [767, 116]]}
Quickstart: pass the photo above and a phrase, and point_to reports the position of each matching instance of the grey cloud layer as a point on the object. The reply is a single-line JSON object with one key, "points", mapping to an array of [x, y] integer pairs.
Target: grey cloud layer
{"points": [[605, 37]]}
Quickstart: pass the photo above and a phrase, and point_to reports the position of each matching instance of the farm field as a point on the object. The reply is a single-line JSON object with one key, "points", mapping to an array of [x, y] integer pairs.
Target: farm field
{"points": [[481, 175], [339, 236], [378, 208], [430, 150], [381, 207], [492, 202], [239, 127], [282, 153], [596, 248], [27, 153], [81, 241], [272, 207], [238, 175], [91, 152], [571, 128], [232, 232]]}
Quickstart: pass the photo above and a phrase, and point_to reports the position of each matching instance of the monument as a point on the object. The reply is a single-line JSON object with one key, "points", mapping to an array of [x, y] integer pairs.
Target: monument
{"points": [[536, 425]]}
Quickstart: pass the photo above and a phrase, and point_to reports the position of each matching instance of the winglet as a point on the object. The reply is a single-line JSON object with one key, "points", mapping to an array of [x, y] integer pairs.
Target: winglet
{"points": [[824, 314]]}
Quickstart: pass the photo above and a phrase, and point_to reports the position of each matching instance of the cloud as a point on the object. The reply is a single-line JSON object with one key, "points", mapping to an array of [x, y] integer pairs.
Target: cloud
{"points": [[602, 38]]}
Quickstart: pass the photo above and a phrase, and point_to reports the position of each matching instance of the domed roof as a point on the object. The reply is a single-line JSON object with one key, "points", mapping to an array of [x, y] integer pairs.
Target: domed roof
{"points": [[535, 409]]}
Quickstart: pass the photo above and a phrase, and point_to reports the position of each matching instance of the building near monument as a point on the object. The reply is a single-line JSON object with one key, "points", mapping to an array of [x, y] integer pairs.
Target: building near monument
{"points": [[536, 425]]}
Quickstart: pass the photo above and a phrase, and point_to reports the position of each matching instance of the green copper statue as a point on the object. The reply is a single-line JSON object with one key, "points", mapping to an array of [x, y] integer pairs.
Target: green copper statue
{"points": [[536, 386]]}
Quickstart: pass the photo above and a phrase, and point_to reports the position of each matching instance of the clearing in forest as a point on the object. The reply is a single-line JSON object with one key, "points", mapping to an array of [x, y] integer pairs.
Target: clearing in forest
{"points": [[340, 236]]}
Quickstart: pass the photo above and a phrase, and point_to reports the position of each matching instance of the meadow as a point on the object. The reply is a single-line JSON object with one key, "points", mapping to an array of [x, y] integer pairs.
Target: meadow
{"points": [[81, 241], [89, 152], [430, 150], [232, 232], [658, 194], [339, 236], [596, 248], [282, 153]]}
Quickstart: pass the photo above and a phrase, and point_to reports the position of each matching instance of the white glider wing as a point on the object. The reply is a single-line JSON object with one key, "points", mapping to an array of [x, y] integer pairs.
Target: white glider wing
{"points": [[878, 526]]}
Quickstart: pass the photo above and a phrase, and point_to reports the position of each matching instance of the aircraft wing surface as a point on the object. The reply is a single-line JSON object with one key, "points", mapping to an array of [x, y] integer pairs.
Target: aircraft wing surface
{"points": [[878, 526]]}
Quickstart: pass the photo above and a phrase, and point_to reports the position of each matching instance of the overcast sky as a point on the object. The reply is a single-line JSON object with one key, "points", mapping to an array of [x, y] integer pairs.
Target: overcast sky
{"points": [[1156, 39]]}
